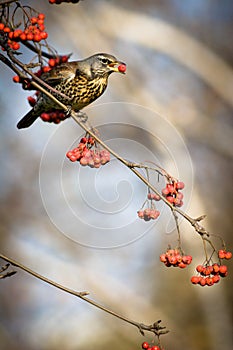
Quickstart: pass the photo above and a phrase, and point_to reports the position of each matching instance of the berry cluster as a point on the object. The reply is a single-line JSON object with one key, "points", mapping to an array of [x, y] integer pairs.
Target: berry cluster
{"points": [[172, 194], [34, 31], [174, 257], [86, 156], [55, 116], [148, 214], [147, 346], [209, 274], [58, 2]]}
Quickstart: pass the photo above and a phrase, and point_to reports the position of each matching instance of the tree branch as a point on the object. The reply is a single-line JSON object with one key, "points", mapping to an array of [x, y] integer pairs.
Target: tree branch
{"points": [[154, 328]]}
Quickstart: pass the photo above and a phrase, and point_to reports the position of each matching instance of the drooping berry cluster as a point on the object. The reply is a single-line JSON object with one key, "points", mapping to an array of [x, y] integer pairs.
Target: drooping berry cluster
{"points": [[54, 116], [94, 158], [172, 193], [175, 258], [58, 2], [149, 213], [33, 31], [147, 346], [210, 274]]}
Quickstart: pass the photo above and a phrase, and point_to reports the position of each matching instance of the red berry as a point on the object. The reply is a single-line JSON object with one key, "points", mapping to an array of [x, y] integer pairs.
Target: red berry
{"points": [[17, 33], [2, 26], [46, 69], [73, 158], [179, 185], [154, 214], [40, 22], [209, 281], [223, 270], [44, 35], [33, 20], [163, 257], [145, 345], [37, 37], [195, 279], [52, 62], [41, 16], [171, 188], [172, 260], [91, 141], [170, 199], [155, 347], [83, 140], [23, 36], [30, 36], [7, 30], [84, 161], [202, 281], [69, 154], [10, 35], [179, 195], [31, 101], [216, 278], [221, 254], [228, 255], [199, 268], [215, 268], [165, 191], [45, 117], [16, 79], [182, 265], [122, 68], [187, 259], [208, 270]]}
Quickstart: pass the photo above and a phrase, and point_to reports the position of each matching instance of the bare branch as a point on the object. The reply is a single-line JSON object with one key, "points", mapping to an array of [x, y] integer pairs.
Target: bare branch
{"points": [[154, 328]]}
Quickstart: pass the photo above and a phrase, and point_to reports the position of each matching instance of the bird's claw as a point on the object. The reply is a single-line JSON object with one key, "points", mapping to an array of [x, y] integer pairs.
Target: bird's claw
{"points": [[68, 111], [82, 116]]}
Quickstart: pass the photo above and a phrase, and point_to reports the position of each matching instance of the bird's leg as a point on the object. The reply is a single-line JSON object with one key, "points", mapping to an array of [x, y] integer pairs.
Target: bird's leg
{"points": [[82, 116], [68, 111]]}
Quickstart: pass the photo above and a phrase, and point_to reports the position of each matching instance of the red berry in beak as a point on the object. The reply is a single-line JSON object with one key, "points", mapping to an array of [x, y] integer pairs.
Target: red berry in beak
{"points": [[122, 68]]}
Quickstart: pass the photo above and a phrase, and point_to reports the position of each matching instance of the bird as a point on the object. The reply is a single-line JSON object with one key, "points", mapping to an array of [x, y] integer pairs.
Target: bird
{"points": [[81, 81]]}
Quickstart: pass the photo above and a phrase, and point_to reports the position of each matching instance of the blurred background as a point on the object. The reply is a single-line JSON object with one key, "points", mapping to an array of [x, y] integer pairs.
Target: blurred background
{"points": [[79, 227]]}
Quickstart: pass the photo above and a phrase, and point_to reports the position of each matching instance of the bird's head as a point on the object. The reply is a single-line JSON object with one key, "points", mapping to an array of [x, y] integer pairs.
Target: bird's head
{"points": [[103, 64]]}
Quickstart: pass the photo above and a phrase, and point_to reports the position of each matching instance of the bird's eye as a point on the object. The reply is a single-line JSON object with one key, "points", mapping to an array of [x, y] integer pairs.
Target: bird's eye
{"points": [[105, 60]]}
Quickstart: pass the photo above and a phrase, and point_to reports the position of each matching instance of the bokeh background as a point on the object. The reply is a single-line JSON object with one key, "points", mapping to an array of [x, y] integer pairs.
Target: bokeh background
{"points": [[174, 106]]}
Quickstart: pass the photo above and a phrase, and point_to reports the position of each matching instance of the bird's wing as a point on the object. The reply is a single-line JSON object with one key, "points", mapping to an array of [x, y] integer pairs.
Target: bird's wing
{"points": [[63, 72]]}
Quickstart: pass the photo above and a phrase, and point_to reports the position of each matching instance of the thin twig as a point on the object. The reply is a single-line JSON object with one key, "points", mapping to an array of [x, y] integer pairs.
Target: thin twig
{"points": [[155, 328], [6, 2]]}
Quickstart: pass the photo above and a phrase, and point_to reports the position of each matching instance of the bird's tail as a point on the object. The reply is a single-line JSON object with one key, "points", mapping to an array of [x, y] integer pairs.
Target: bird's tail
{"points": [[28, 119]]}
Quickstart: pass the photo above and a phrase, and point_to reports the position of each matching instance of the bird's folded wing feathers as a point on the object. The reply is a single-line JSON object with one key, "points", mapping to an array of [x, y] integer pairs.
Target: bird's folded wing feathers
{"points": [[60, 73]]}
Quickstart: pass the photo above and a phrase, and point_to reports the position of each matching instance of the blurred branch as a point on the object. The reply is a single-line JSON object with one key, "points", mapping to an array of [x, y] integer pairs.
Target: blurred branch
{"points": [[154, 328]]}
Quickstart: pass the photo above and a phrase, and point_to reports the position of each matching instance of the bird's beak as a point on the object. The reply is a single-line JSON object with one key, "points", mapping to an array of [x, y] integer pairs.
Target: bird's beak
{"points": [[119, 67]]}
